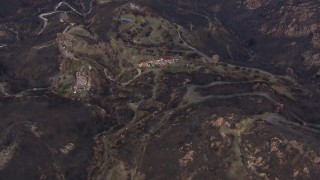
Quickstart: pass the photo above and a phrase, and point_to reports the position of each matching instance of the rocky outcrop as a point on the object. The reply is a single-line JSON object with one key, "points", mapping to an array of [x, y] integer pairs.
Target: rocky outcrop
{"points": [[255, 4], [293, 20], [311, 59]]}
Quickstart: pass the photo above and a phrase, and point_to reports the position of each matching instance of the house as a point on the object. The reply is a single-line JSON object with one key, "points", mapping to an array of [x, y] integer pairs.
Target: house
{"points": [[158, 62], [144, 64], [163, 62]]}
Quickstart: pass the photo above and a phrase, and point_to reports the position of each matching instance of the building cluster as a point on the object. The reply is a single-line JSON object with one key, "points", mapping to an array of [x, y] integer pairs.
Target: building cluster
{"points": [[159, 62], [82, 83], [136, 7]]}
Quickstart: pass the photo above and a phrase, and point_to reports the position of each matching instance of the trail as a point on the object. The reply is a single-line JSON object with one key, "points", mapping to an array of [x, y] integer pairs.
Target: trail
{"points": [[22, 93], [3, 45]]}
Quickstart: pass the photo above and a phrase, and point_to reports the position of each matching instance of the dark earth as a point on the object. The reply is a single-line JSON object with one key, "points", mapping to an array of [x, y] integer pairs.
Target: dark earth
{"points": [[159, 89]]}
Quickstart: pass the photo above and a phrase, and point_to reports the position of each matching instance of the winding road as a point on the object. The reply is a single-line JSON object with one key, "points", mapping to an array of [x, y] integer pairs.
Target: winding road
{"points": [[45, 20], [122, 83], [184, 42], [272, 118], [194, 97]]}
